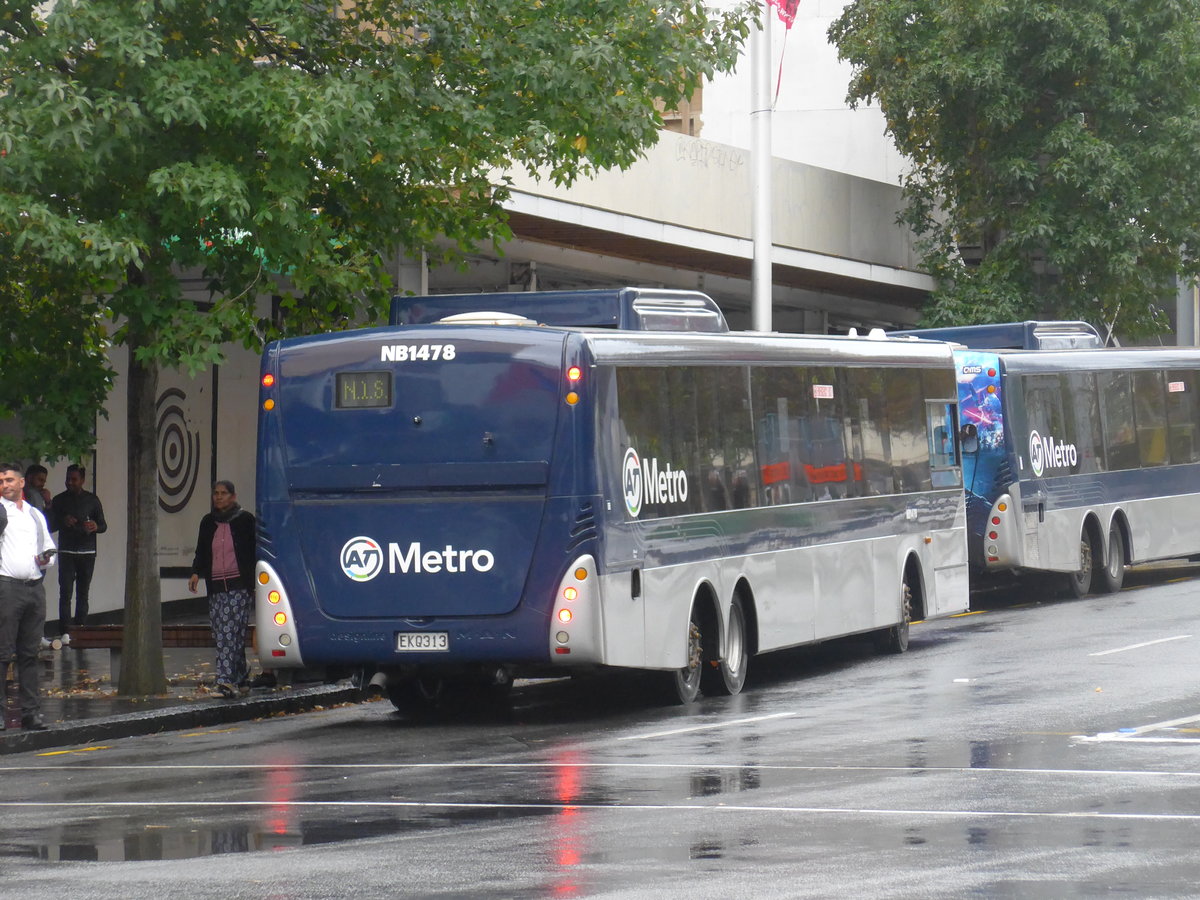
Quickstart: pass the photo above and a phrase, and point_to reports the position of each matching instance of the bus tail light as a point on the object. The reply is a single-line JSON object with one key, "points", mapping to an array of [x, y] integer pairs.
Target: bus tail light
{"points": [[574, 376], [1003, 540], [576, 616], [275, 622], [268, 382]]}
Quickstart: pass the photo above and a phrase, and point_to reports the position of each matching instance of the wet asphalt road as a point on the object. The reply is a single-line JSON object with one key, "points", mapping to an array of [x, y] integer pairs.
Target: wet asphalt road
{"points": [[1044, 750]]}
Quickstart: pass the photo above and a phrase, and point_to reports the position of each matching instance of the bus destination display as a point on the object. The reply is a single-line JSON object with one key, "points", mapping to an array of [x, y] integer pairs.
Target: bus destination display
{"points": [[363, 390]]}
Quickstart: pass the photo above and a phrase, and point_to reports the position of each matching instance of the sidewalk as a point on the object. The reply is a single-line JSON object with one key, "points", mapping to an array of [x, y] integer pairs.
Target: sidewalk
{"points": [[80, 703]]}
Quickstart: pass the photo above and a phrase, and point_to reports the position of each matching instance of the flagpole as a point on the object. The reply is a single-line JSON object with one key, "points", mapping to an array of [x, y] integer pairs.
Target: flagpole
{"points": [[760, 172]]}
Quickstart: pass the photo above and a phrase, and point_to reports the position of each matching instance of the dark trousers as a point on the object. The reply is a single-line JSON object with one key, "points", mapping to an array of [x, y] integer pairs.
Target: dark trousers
{"points": [[229, 614], [22, 618], [74, 575]]}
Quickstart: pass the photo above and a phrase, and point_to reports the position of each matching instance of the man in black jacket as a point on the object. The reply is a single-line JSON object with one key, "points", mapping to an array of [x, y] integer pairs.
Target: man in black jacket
{"points": [[78, 517]]}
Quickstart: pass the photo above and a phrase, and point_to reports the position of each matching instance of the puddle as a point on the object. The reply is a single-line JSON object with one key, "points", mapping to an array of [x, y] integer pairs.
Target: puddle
{"points": [[136, 841]]}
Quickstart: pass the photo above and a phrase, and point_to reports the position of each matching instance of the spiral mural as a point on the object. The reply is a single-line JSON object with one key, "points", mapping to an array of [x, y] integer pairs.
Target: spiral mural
{"points": [[178, 452]]}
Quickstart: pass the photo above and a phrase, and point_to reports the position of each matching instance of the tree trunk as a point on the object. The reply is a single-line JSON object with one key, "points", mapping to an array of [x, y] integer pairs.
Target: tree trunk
{"points": [[142, 670]]}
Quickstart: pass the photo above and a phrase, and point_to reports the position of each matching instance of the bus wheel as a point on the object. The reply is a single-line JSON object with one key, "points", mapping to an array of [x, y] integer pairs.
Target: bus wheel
{"points": [[728, 674], [895, 639], [683, 685], [1112, 576], [420, 694], [1080, 582]]}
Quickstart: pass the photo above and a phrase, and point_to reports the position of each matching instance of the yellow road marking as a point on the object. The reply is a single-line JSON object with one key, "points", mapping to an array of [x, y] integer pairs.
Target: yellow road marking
{"points": [[977, 612], [214, 731], [76, 750]]}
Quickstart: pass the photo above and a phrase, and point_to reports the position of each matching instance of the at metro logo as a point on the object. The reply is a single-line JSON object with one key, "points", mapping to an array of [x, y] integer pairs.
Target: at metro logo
{"points": [[1047, 453], [644, 483], [362, 559]]}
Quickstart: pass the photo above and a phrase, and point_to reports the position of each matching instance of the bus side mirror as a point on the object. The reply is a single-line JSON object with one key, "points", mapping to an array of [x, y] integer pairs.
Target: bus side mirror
{"points": [[968, 437]]}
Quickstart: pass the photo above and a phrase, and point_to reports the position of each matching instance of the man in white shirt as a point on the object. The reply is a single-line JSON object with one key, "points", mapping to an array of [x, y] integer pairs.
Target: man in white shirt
{"points": [[25, 551]]}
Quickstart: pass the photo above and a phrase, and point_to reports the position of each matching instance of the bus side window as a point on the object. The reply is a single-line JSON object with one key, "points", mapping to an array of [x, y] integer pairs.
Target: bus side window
{"points": [[1183, 414], [943, 446]]}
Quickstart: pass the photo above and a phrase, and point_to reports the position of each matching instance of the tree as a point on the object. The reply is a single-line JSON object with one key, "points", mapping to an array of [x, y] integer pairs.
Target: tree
{"points": [[53, 359], [1053, 149], [290, 148]]}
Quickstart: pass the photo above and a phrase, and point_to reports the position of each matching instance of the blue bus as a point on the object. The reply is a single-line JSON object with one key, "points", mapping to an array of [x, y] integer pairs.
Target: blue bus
{"points": [[485, 496], [1079, 460]]}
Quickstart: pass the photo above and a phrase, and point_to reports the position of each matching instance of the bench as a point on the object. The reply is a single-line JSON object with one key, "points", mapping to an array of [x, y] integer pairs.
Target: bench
{"points": [[112, 639]]}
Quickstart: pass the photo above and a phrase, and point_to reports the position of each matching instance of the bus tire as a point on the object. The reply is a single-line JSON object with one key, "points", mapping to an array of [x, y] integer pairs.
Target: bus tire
{"points": [[895, 639], [682, 686], [1112, 576], [727, 674], [1079, 582], [421, 694]]}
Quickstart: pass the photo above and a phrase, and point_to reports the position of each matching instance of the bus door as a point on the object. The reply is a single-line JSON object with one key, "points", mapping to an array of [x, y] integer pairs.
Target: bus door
{"points": [[942, 419]]}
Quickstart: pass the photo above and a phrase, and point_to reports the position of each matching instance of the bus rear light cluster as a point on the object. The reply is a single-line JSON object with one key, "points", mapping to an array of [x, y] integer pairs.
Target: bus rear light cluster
{"points": [[273, 616], [268, 382], [575, 614], [574, 375], [1001, 532]]}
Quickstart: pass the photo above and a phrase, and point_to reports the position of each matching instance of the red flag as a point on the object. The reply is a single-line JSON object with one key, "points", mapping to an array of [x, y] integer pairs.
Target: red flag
{"points": [[786, 10]]}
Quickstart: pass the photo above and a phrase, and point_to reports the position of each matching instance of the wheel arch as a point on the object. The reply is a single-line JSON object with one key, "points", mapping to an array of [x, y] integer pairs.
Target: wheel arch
{"points": [[914, 574], [745, 593], [1097, 536], [705, 609]]}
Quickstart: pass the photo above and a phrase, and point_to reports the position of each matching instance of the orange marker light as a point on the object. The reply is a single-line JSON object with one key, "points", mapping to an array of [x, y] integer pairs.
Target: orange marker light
{"points": [[572, 398], [268, 404], [280, 618], [273, 597], [581, 574], [263, 577]]}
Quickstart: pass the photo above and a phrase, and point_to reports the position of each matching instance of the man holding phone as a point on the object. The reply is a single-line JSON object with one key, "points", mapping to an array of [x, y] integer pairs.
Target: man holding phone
{"points": [[25, 551]]}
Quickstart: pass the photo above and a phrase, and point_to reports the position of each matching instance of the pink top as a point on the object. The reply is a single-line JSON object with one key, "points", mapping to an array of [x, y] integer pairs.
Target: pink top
{"points": [[224, 561]]}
